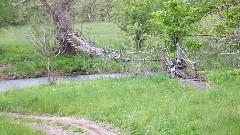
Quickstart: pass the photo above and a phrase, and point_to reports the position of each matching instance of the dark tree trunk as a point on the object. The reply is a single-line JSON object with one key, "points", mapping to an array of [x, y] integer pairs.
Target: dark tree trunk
{"points": [[61, 17], [138, 40]]}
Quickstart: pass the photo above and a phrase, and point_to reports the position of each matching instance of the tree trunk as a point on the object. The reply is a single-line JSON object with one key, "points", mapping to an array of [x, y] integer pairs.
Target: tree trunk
{"points": [[62, 20]]}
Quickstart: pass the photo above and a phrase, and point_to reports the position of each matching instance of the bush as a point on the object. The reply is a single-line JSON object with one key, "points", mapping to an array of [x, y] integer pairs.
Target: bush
{"points": [[224, 75]]}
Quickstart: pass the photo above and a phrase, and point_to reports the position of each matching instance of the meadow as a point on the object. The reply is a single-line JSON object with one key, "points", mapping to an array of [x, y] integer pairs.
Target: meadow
{"points": [[139, 105]]}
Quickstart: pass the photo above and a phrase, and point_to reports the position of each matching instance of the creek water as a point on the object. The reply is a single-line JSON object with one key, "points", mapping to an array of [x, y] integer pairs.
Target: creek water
{"points": [[6, 85]]}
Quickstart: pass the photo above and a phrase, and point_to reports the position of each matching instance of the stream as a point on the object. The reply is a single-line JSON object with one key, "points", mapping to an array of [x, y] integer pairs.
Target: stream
{"points": [[6, 85]]}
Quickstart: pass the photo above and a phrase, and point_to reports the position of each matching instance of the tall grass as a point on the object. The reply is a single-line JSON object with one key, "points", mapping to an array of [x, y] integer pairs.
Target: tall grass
{"points": [[138, 105]]}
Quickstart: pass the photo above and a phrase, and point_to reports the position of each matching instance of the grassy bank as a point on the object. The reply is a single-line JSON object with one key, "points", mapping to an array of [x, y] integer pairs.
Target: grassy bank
{"points": [[139, 105]]}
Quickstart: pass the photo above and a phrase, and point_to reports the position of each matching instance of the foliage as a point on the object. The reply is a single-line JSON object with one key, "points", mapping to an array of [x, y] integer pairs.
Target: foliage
{"points": [[133, 16], [175, 19], [227, 29], [192, 44], [106, 8], [222, 76], [7, 13]]}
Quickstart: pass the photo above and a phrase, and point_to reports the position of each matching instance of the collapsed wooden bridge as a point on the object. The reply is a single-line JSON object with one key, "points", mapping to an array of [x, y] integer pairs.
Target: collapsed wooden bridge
{"points": [[60, 13], [180, 67]]}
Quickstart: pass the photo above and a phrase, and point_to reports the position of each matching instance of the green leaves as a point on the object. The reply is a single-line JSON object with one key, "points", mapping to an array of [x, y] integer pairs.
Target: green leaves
{"points": [[231, 16], [175, 18], [227, 28], [133, 16]]}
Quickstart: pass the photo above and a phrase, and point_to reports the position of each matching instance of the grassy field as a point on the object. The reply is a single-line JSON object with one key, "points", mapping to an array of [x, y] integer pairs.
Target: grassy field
{"points": [[139, 105], [105, 33]]}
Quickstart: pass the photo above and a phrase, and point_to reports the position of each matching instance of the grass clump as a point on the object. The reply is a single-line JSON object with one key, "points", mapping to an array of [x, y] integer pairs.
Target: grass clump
{"points": [[138, 105], [68, 127], [8, 126]]}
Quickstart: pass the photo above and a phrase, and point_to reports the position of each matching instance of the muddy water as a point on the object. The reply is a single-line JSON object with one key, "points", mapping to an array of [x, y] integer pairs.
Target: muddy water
{"points": [[6, 85]]}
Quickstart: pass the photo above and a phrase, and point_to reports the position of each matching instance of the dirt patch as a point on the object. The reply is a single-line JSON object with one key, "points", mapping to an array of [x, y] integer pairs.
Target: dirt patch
{"points": [[89, 127], [5, 66], [4, 76], [195, 83], [10, 76], [51, 130]]}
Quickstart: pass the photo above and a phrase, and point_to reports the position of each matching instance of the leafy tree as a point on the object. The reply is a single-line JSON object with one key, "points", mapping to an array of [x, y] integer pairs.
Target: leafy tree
{"points": [[174, 20], [106, 9], [227, 29], [8, 14], [133, 16], [177, 18]]}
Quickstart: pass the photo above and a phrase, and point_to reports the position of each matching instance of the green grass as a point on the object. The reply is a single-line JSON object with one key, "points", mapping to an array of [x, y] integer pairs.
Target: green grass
{"points": [[68, 127], [19, 53], [9, 126], [139, 105], [103, 32]]}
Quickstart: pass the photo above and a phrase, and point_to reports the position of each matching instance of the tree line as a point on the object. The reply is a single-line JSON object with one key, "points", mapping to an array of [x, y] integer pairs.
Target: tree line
{"points": [[171, 20]]}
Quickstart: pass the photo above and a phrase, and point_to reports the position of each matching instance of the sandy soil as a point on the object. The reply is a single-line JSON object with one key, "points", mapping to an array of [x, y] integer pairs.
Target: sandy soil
{"points": [[195, 83]]}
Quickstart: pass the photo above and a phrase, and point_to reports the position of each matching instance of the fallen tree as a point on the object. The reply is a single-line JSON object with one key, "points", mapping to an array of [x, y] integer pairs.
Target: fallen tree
{"points": [[61, 15]]}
